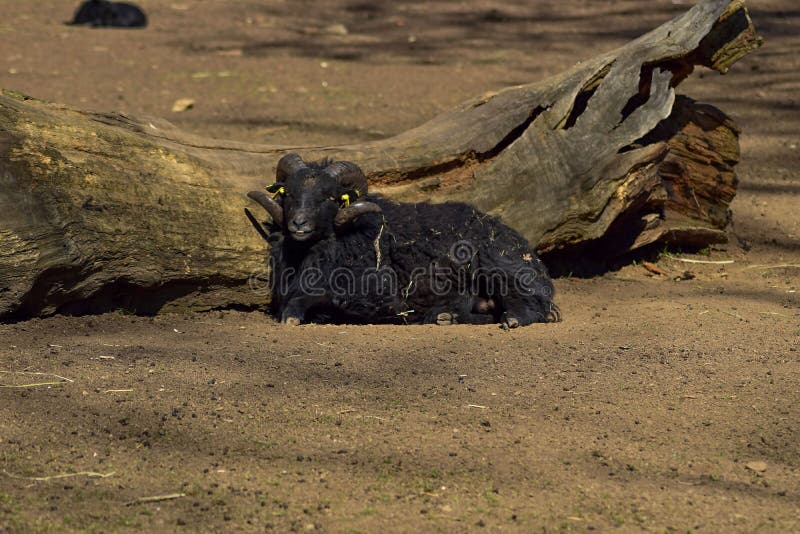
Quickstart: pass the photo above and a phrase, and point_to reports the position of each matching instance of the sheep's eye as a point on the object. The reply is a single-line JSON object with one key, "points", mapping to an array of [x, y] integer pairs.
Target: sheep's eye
{"points": [[332, 199]]}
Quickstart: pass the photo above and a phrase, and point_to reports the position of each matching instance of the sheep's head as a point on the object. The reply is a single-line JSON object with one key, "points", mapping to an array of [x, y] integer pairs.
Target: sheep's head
{"points": [[312, 201]]}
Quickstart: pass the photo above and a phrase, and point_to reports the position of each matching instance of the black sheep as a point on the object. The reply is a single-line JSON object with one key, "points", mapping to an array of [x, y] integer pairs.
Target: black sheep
{"points": [[115, 14], [340, 255]]}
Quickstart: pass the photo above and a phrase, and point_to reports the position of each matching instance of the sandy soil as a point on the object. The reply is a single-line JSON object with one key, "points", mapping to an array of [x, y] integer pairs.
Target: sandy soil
{"points": [[658, 404]]}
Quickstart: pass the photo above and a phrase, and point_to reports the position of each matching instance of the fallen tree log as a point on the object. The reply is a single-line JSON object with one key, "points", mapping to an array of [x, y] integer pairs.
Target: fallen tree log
{"points": [[104, 211]]}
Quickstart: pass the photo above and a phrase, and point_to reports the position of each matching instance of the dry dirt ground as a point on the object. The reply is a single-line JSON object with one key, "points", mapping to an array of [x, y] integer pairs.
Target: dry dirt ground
{"points": [[657, 405]]}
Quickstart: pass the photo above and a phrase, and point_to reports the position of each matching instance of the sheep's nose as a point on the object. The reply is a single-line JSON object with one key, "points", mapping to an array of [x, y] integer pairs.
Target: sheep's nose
{"points": [[300, 224]]}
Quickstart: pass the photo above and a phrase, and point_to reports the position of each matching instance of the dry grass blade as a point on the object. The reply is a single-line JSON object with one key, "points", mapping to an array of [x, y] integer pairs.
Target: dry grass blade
{"points": [[377, 246], [61, 379], [90, 474]]}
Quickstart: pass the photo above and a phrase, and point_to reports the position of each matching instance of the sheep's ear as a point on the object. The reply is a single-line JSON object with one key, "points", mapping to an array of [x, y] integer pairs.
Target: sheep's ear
{"points": [[276, 190], [349, 197]]}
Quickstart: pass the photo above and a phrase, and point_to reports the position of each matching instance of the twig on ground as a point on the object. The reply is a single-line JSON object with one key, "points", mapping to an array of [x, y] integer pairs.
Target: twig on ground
{"points": [[733, 314], [443, 516], [156, 498], [90, 474], [477, 406], [710, 262]]}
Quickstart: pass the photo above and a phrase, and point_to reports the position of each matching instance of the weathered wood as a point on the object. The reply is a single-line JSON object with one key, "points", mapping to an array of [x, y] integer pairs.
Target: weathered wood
{"points": [[104, 211]]}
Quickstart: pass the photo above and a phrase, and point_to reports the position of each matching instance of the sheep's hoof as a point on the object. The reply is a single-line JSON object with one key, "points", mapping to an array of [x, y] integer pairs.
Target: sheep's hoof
{"points": [[554, 315], [509, 323], [445, 319], [292, 321]]}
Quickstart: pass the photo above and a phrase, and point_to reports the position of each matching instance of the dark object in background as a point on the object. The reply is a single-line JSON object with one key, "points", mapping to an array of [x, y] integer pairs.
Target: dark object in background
{"points": [[100, 13]]}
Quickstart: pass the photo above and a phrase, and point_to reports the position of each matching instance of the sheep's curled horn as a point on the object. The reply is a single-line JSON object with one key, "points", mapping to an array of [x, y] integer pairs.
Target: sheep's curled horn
{"points": [[349, 175], [287, 165], [268, 203]]}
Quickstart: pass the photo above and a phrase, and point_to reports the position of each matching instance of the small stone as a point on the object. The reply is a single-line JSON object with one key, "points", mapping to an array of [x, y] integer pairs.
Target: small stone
{"points": [[757, 466], [445, 319], [335, 29], [182, 104]]}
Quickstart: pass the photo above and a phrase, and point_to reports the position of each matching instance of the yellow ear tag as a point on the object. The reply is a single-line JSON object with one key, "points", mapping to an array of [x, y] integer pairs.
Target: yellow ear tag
{"points": [[279, 192], [357, 192], [346, 199]]}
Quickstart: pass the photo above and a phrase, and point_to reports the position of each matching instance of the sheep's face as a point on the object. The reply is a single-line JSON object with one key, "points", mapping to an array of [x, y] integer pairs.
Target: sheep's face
{"points": [[311, 201]]}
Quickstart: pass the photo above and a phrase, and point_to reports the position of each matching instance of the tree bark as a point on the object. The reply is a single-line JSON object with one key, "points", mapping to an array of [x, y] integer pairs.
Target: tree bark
{"points": [[105, 211]]}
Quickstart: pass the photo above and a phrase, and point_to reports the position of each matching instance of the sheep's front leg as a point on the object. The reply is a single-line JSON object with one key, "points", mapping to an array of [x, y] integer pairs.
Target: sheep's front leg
{"points": [[295, 311]]}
